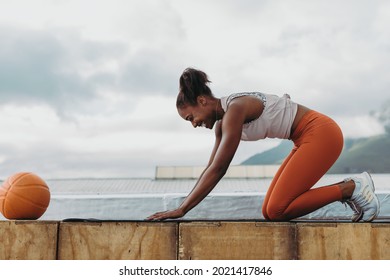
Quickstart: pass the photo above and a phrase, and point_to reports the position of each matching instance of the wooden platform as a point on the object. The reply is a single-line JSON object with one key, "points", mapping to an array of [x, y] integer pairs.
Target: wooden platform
{"points": [[202, 240]]}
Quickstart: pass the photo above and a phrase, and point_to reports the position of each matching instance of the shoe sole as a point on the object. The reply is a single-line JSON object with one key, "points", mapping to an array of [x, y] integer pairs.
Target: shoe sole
{"points": [[368, 175]]}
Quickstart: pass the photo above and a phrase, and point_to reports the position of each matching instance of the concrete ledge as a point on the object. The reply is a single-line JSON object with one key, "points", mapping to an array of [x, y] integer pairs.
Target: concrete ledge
{"points": [[234, 171], [203, 240]]}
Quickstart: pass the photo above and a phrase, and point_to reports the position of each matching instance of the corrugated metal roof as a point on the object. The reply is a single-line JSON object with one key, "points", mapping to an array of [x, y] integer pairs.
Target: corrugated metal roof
{"points": [[119, 186], [149, 186], [164, 186]]}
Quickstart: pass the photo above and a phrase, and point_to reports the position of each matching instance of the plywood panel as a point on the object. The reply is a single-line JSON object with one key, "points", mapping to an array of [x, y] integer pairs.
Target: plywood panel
{"points": [[236, 240], [118, 240], [28, 240], [346, 241], [380, 241]]}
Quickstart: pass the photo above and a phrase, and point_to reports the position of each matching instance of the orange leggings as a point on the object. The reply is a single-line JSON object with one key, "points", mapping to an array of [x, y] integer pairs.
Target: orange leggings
{"points": [[318, 143]]}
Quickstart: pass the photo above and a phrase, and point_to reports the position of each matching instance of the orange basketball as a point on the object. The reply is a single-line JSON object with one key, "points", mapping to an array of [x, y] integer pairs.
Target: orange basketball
{"points": [[24, 196]]}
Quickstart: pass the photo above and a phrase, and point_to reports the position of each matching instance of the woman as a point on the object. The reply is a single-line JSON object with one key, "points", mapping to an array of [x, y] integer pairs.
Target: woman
{"points": [[318, 142]]}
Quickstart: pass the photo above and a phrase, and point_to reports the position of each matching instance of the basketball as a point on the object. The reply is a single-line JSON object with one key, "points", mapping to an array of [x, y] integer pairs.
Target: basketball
{"points": [[24, 196]]}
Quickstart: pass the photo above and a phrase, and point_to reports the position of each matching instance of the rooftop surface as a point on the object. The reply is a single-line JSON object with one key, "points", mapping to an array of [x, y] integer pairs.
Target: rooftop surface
{"points": [[239, 195]]}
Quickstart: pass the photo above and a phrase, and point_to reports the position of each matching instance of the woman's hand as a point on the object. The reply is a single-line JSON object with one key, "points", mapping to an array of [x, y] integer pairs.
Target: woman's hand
{"points": [[170, 214]]}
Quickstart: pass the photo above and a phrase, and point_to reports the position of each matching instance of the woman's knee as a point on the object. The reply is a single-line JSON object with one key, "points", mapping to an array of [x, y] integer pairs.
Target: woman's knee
{"points": [[275, 213], [264, 211]]}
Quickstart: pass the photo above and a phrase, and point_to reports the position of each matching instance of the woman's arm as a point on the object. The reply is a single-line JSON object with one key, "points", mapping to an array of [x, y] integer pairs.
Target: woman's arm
{"points": [[231, 128], [218, 136], [223, 153]]}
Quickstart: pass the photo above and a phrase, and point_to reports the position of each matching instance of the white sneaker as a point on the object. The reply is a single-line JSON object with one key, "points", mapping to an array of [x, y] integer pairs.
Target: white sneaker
{"points": [[364, 197]]}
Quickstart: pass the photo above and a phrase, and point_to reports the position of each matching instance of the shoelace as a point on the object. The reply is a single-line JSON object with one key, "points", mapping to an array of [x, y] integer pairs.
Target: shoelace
{"points": [[357, 212], [352, 205]]}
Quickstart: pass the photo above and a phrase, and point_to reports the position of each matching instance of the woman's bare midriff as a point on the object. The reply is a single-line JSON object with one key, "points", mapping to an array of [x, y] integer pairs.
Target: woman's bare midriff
{"points": [[302, 110]]}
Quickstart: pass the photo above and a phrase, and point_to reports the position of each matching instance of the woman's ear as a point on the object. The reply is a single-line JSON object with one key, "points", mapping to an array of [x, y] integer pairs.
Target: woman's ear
{"points": [[202, 100]]}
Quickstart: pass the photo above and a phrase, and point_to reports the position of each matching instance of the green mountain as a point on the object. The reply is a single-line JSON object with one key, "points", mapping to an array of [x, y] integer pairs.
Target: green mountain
{"points": [[363, 154]]}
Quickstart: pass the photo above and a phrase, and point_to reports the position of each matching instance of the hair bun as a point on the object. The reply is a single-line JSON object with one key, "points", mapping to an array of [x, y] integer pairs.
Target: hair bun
{"points": [[193, 83]]}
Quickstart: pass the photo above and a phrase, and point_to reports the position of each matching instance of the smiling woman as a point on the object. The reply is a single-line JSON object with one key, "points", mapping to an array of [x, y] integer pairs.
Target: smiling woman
{"points": [[251, 116]]}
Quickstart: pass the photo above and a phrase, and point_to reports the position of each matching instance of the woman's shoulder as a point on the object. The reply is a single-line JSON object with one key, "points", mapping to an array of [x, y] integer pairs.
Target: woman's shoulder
{"points": [[236, 95]]}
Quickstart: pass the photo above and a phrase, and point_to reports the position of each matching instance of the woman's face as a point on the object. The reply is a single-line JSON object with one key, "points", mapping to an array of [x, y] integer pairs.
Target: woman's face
{"points": [[200, 115]]}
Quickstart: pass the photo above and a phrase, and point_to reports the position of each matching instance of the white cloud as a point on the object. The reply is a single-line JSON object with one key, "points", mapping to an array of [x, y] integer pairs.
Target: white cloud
{"points": [[360, 126]]}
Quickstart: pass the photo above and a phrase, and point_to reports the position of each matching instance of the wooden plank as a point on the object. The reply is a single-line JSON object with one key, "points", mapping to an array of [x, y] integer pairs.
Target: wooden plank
{"points": [[28, 240], [236, 240], [380, 241], [343, 241], [117, 241]]}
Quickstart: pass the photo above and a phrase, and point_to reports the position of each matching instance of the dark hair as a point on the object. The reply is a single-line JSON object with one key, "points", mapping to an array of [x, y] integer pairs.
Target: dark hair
{"points": [[193, 83]]}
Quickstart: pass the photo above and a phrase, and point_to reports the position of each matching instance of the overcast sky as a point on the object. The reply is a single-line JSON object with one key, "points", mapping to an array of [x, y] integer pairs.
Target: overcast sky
{"points": [[88, 88]]}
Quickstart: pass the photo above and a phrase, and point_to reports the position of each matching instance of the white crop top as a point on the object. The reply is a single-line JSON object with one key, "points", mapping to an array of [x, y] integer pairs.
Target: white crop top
{"points": [[274, 122]]}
